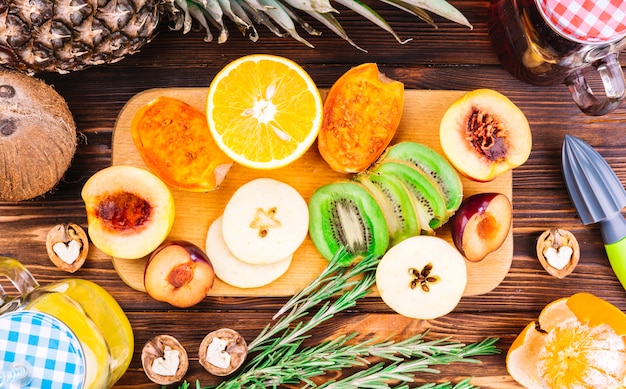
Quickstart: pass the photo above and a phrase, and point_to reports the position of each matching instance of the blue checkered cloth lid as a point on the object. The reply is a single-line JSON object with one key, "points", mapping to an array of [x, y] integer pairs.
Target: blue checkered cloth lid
{"points": [[45, 345]]}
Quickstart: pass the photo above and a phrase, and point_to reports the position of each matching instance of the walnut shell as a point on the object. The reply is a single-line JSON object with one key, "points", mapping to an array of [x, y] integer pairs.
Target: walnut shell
{"points": [[67, 246], [37, 137], [154, 349], [549, 246], [235, 346]]}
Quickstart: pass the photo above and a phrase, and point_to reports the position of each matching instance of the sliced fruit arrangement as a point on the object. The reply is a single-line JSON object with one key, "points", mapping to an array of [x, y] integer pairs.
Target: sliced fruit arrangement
{"points": [[577, 342], [264, 111], [174, 141], [253, 242], [484, 134], [400, 195], [130, 211], [422, 277], [306, 175], [362, 112]]}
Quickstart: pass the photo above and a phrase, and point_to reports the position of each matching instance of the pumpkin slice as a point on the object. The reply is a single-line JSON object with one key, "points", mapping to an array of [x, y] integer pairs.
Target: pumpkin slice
{"points": [[362, 112], [578, 341], [174, 141]]}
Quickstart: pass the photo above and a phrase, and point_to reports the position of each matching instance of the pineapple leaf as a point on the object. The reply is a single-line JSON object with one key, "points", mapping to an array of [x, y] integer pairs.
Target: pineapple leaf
{"points": [[280, 16], [371, 15]]}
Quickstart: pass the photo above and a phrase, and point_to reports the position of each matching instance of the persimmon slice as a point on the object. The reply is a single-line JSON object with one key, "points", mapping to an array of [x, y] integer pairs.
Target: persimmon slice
{"points": [[174, 141], [362, 112]]}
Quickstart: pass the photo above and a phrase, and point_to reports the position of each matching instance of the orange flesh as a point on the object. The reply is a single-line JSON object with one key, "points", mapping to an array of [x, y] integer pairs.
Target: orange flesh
{"points": [[575, 354], [123, 211], [578, 342]]}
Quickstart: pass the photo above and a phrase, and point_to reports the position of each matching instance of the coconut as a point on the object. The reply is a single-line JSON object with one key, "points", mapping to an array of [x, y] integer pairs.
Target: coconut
{"points": [[37, 137]]}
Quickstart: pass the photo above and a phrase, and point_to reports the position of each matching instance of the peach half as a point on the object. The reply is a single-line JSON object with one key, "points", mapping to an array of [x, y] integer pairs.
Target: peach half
{"points": [[484, 134], [130, 211]]}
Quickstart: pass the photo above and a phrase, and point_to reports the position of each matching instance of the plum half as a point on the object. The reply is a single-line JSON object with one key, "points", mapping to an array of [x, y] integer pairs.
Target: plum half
{"points": [[179, 273], [481, 224], [484, 134]]}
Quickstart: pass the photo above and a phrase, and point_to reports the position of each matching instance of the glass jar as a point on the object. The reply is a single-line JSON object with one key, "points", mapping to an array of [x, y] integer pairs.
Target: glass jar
{"points": [[69, 312], [549, 42]]}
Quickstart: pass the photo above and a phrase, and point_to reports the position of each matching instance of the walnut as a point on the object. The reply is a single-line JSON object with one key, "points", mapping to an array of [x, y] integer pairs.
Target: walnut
{"points": [[164, 360], [67, 246], [223, 351], [558, 252]]}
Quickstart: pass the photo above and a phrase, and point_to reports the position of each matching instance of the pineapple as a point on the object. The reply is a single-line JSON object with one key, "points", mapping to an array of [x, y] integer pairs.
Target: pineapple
{"points": [[66, 35]]}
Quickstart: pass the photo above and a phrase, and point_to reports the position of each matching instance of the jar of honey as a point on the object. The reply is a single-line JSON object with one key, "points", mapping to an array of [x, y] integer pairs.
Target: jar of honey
{"points": [[71, 332]]}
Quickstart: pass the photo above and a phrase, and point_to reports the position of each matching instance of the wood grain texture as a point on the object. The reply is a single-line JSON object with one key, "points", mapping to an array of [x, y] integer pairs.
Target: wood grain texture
{"points": [[196, 211], [450, 57]]}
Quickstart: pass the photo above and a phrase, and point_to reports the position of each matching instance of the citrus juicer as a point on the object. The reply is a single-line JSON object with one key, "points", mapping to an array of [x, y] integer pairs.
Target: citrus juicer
{"points": [[598, 196]]}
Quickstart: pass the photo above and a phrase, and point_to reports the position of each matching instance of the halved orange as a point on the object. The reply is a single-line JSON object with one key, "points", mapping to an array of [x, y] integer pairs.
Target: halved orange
{"points": [[577, 342], [264, 111]]}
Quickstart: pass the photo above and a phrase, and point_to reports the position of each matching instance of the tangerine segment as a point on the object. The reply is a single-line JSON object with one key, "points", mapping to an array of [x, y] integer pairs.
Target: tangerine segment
{"points": [[578, 342], [264, 111]]}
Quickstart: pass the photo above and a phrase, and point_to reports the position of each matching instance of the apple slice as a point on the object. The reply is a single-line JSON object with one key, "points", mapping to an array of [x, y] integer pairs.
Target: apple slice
{"points": [[422, 277], [481, 224], [265, 221], [234, 271]]}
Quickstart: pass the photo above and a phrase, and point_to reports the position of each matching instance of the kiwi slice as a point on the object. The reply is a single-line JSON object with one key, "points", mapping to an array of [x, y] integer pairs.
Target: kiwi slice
{"points": [[428, 200], [433, 165], [396, 204], [345, 215]]}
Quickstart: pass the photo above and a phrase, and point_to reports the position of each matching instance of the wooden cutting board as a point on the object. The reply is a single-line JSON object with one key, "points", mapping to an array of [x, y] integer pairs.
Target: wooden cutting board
{"points": [[423, 110]]}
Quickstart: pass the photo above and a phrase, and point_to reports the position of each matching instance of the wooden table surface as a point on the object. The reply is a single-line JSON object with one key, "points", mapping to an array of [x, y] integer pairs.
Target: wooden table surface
{"points": [[451, 57]]}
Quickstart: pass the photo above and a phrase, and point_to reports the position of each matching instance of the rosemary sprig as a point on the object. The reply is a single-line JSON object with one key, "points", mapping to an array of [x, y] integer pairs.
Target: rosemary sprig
{"points": [[380, 375], [300, 365], [350, 283], [279, 356]]}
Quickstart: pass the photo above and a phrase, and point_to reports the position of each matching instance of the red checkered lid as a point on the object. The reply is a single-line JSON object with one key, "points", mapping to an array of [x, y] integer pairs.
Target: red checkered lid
{"points": [[587, 21]]}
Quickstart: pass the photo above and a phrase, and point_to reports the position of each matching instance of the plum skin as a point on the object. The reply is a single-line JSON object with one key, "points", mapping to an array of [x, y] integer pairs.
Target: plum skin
{"points": [[481, 224], [179, 273]]}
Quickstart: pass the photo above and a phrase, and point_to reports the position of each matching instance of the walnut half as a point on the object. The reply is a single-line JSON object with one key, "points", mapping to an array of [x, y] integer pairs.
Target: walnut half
{"points": [[223, 351], [164, 360], [558, 252], [67, 246]]}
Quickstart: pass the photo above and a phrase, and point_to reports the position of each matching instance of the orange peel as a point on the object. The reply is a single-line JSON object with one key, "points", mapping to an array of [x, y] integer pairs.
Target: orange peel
{"points": [[577, 342]]}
